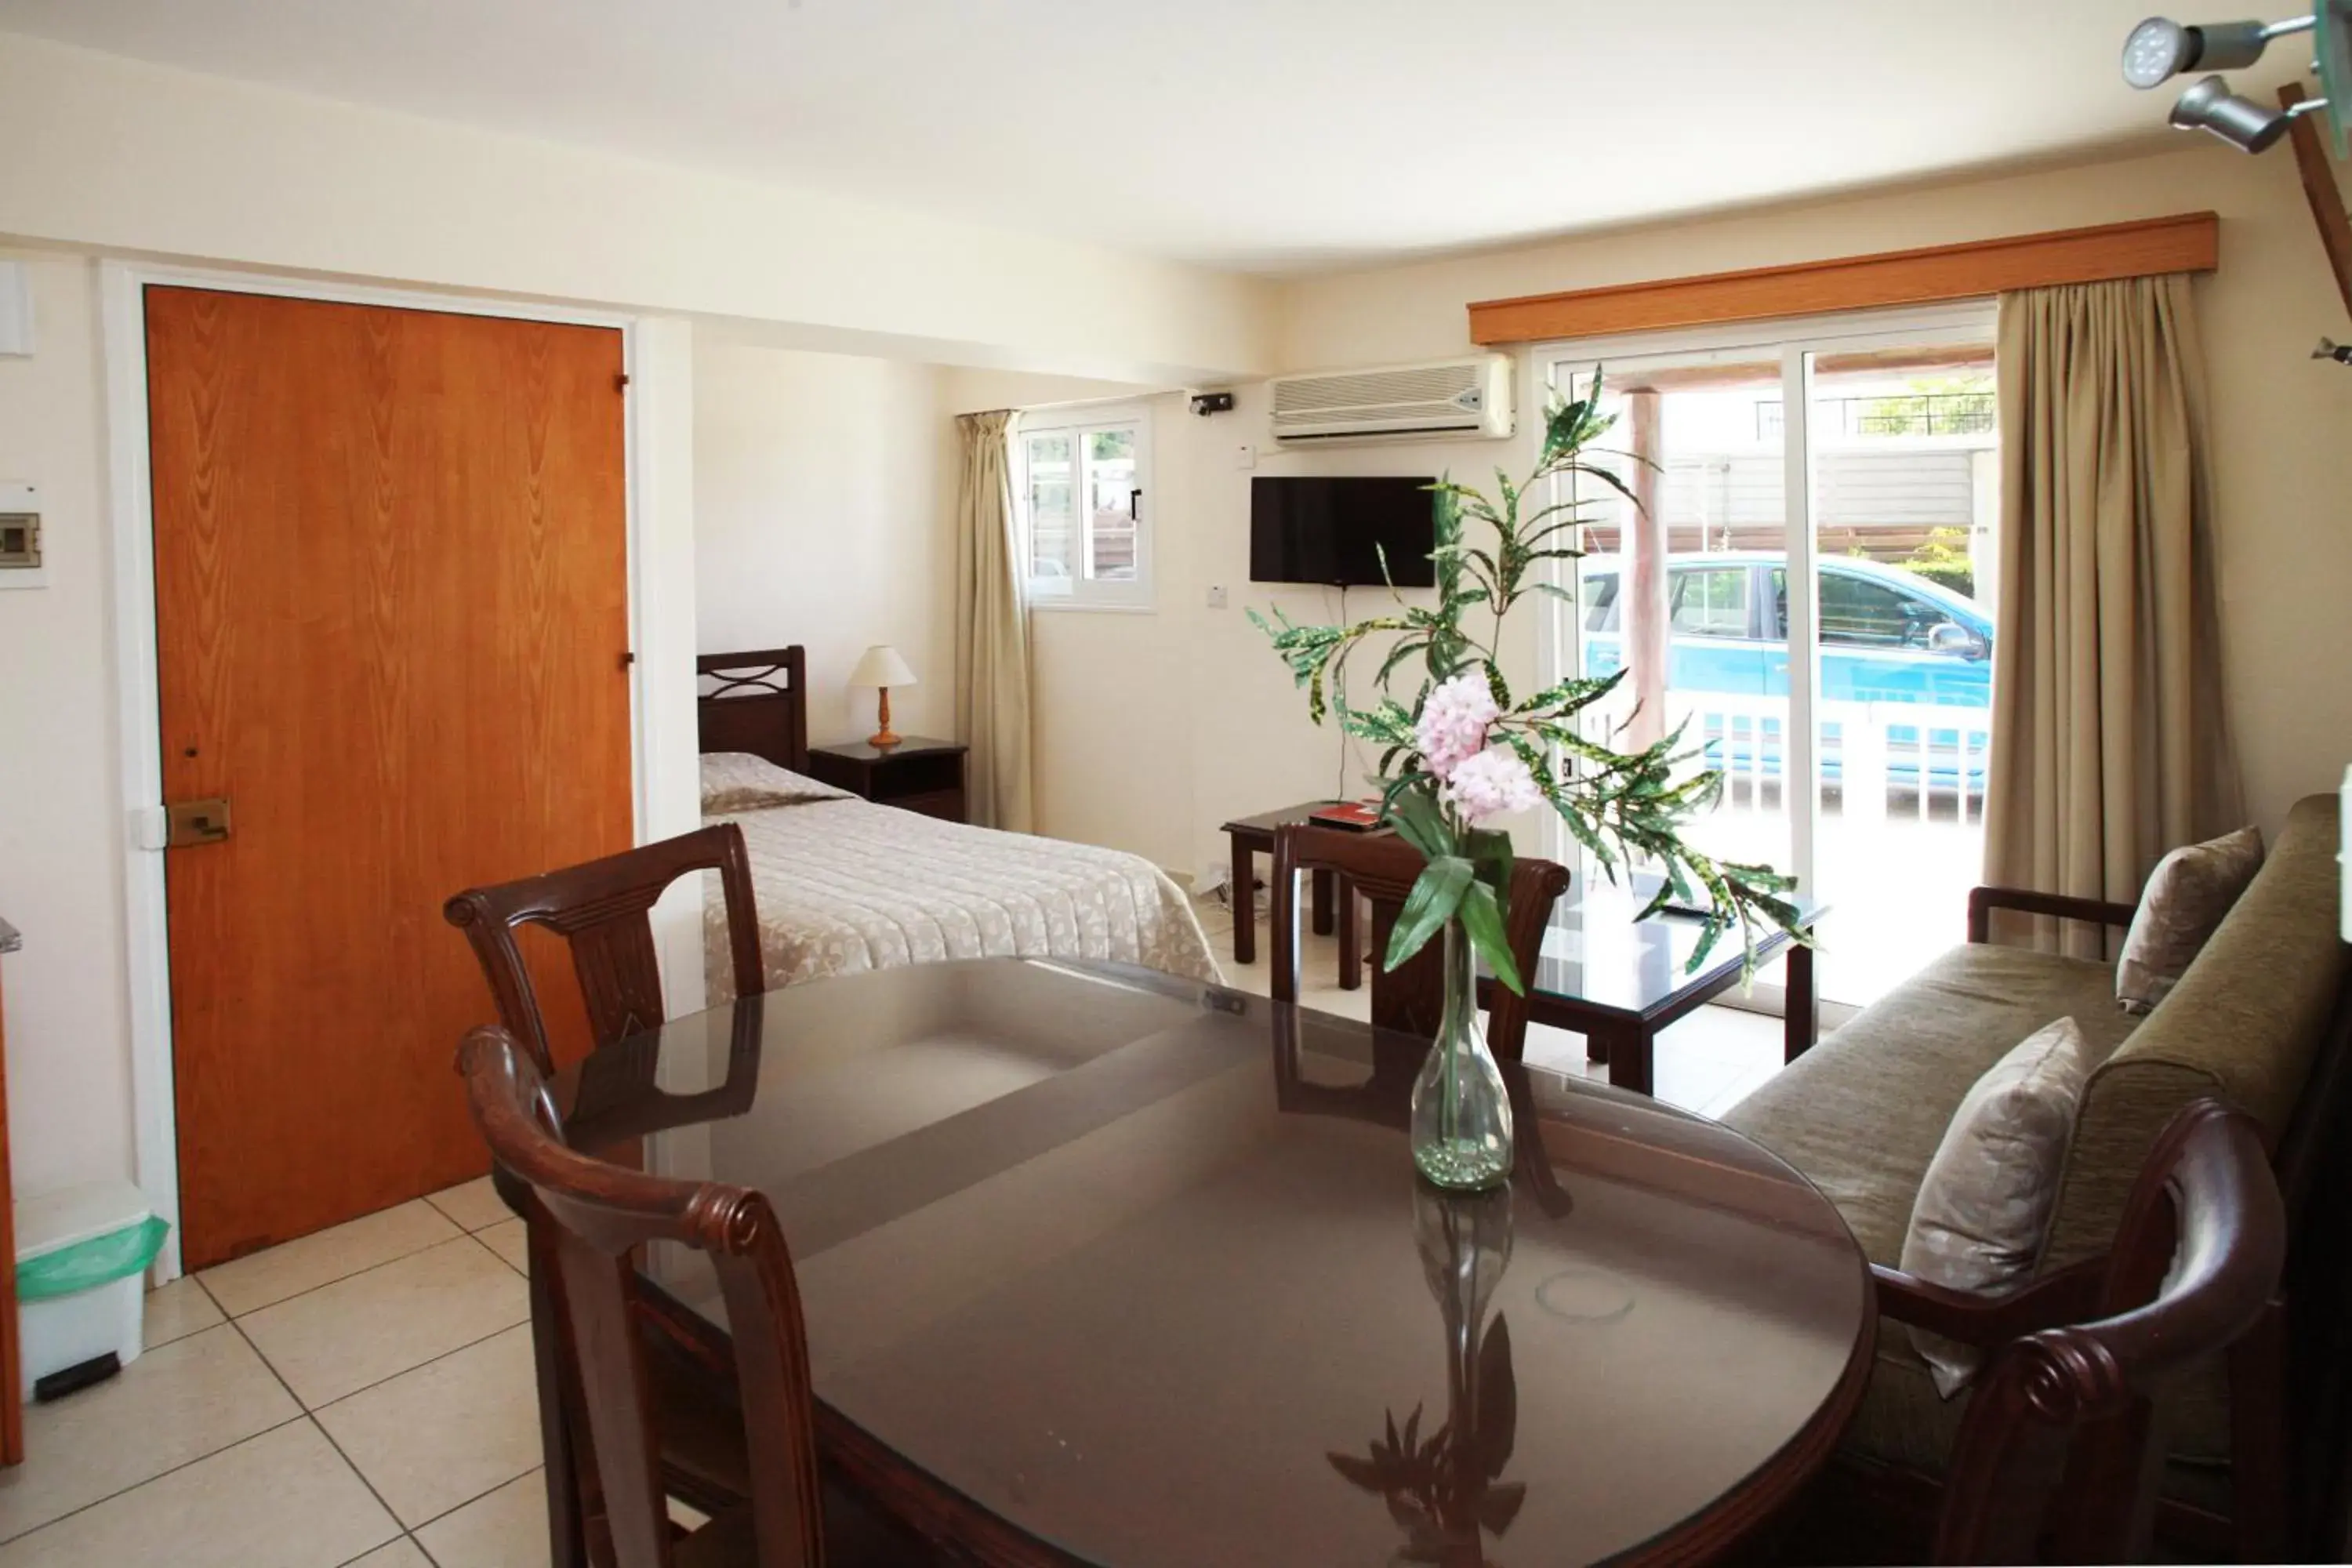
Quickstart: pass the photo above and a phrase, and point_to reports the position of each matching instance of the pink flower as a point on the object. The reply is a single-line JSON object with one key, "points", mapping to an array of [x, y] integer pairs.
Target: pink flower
{"points": [[1453, 723], [1494, 782]]}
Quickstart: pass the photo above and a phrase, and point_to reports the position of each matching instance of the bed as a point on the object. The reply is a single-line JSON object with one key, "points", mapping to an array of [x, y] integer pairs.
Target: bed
{"points": [[843, 885]]}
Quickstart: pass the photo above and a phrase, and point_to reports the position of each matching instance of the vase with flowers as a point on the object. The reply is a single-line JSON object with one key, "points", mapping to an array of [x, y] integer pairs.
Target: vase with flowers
{"points": [[1464, 752]]}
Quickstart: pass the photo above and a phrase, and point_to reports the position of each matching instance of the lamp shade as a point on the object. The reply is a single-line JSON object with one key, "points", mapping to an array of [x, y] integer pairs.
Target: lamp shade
{"points": [[882, 666]]}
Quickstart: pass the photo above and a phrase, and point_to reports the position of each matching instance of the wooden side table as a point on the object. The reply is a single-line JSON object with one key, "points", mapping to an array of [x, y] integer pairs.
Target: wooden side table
{"points": [[1333, 905], [916, 774]]}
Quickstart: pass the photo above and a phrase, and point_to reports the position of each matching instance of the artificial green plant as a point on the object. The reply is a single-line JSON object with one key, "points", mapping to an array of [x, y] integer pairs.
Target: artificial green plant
{"points": [[1465, 750]]}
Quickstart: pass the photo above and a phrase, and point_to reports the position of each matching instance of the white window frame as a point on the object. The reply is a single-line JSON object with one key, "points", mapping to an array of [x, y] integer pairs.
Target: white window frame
{"points": [[1794, 340], [1135, 595]]}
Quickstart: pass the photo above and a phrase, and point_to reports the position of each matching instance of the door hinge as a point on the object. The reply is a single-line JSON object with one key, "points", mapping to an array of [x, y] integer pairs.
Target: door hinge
{"points": [[627, 659], [621, 382]]}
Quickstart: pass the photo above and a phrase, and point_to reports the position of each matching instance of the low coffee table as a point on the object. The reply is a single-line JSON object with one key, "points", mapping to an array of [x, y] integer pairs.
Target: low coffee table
{"points": [[1253, 837], [1618, 981]]}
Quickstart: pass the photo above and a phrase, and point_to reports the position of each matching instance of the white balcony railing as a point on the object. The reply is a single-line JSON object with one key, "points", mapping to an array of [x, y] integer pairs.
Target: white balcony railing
{"points": [[1884, 760]]}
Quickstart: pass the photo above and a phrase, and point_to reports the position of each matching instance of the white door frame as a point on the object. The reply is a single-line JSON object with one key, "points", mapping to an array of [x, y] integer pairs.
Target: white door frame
{"points": [[137, 702]]}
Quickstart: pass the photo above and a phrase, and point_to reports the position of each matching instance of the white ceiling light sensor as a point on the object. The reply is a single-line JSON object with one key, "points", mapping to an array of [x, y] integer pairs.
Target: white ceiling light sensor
{"points": [[2161, 49]]}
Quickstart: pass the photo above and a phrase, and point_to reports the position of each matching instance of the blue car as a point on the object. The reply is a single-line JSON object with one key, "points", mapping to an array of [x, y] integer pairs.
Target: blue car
{"points": [[1887, 635]]}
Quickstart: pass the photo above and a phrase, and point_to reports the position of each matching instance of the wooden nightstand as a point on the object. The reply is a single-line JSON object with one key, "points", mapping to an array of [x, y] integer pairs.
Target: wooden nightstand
{"points": [[916, 774]]}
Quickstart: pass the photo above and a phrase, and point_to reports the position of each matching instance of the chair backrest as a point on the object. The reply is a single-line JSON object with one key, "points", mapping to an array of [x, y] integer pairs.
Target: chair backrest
{"points": [[602, 909], [599, 1214], [1383, 868], [2058, 1456]]}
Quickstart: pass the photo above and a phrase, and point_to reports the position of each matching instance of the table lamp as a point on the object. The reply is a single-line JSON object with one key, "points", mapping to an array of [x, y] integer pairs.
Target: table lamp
{"points": [[883, 668]]}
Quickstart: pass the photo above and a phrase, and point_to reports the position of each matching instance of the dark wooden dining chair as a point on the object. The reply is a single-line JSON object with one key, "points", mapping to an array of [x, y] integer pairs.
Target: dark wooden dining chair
{"points": [[599, 1216], [602, 909], [2058, 1457], [1382, 868]]}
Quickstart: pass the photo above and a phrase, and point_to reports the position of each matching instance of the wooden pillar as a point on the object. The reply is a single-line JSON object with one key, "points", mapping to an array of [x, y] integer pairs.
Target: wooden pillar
{"points": [[1645, 614]]}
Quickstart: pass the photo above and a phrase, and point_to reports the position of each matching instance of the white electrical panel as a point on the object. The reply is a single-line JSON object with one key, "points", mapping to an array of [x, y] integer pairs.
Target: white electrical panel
{"points": [[23, 549]]}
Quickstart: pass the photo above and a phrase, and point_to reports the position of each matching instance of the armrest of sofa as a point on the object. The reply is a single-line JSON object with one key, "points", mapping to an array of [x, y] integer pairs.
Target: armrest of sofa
{"points": [[2069, 1296], [1982, 902]]}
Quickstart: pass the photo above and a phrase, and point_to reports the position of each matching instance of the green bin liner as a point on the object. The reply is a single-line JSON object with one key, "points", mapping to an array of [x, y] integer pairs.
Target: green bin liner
{"points": [[87, 1265]]}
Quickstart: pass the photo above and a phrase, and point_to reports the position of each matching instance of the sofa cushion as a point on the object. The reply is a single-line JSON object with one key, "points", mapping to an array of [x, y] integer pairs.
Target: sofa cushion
{"points": [[2186, 896], [1983, 1212], [2243, 1024], [1863, 1112]]}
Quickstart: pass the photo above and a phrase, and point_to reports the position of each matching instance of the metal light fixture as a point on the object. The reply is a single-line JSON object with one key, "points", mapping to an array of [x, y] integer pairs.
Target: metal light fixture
{"points": [[2161, 48], [2240, 122]]}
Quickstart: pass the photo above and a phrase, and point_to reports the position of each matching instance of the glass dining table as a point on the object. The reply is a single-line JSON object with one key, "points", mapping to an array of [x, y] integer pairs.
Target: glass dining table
{"points": [[1103, 1267]]}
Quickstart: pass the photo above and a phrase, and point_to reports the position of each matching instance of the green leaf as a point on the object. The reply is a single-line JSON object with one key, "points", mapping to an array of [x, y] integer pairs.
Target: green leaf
{"points": [[1496, 687], [1482, 920], [1415, 817], [1489, 849], [1405, 648], [1437, 894]]}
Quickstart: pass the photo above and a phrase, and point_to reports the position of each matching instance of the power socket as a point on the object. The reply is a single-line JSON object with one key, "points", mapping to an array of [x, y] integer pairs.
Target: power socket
{"points": [[1216, 595]]}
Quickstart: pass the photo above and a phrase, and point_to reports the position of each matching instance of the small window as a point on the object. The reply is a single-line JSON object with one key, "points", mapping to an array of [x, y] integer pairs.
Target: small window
{"points": [[1711, 601], [1081, 482]]}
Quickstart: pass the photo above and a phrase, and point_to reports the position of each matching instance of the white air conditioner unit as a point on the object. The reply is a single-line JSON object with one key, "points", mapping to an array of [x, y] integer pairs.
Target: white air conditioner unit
{"points": [[1442, 400]]}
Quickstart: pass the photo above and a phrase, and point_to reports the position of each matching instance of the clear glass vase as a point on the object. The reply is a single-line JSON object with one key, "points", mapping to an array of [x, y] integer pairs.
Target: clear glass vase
{"points": [[1461, 1110]]}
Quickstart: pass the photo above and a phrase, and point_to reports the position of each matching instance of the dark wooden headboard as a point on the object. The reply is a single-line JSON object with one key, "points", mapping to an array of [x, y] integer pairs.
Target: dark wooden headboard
{"points": [[755, 702]]}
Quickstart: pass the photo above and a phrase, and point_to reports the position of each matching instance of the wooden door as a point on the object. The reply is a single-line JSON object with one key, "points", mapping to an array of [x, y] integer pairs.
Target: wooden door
{"points": [[390, 597]]}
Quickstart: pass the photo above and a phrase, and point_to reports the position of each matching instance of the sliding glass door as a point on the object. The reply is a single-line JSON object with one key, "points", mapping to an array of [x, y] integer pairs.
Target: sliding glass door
{"points": [[1804, 592], [1673, 588]]}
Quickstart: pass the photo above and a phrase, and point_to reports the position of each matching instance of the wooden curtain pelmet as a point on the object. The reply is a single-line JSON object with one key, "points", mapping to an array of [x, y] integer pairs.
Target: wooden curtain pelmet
{"points": [[2189, 242]]}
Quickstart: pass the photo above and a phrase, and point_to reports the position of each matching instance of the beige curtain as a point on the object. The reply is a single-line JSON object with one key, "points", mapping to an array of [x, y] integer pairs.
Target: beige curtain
{"points": [[991, 628], [2108, 741]]}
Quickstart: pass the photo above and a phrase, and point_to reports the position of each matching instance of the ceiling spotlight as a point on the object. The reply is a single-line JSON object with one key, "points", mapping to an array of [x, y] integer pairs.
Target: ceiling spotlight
{"points": [[2240, 122], [2161, 48]]}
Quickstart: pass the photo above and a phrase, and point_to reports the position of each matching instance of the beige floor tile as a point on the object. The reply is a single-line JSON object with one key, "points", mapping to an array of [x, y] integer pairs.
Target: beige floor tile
{"points": [[475, 1205], [340, 1338], [251, 1283], [400, 1553], [192, 1398], [179, 1309], [508, 1240], [501, 1530], [446, 1432], [284, 1499]]}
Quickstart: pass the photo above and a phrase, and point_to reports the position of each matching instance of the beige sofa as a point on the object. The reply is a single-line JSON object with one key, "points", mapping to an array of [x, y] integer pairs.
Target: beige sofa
{"points": [[1861, 1113]]}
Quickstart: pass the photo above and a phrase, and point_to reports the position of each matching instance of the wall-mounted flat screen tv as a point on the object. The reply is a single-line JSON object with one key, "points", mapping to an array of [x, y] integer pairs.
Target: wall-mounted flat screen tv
{"points": [[1334, 530]]}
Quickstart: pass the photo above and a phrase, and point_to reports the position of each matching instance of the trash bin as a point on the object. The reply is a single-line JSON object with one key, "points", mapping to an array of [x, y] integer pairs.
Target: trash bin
{"points": [[81, 1276]]}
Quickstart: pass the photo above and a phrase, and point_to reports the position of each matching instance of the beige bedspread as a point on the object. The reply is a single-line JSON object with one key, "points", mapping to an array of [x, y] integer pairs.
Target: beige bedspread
{"points": [[845, 885]]}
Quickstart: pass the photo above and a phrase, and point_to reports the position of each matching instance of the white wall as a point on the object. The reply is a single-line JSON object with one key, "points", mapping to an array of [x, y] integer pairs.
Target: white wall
{"points": [[2282, 429], [1152, 729], [61, 838], [110, 153], [823, 519], [63, 812], [110, 157], [2283, 457]]}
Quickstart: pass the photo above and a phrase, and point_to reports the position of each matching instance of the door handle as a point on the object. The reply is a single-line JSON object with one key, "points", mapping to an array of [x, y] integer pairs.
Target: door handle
{"points": [[193, 822]]}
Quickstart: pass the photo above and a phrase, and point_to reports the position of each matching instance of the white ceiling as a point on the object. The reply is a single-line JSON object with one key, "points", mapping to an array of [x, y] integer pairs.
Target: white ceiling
{"points": [[1271, 135]]}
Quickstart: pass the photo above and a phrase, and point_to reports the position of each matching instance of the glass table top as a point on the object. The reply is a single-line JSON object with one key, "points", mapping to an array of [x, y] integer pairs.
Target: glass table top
{"points": [[1141, 1265], [1595, 951]]}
